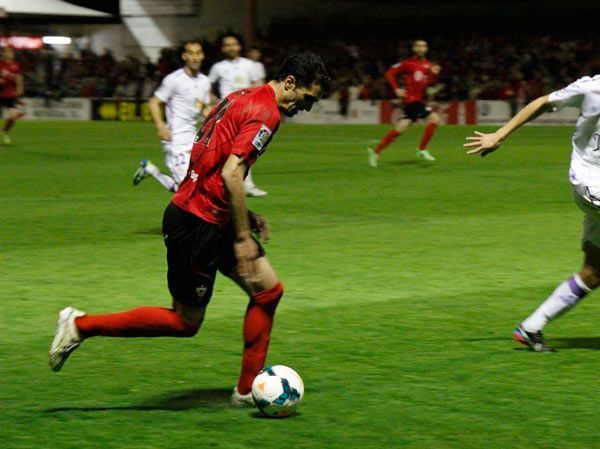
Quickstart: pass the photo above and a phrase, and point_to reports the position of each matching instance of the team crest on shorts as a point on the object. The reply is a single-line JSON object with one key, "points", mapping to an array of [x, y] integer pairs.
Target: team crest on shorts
{"points": [[261, 138]]}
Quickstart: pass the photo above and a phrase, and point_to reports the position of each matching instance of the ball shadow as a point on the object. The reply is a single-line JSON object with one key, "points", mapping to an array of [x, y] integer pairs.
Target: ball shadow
{"points": [[260, 415]]}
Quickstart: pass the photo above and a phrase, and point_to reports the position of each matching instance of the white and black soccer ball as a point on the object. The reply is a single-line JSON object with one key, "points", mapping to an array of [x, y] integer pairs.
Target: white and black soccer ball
{"points": [[277, 391]]}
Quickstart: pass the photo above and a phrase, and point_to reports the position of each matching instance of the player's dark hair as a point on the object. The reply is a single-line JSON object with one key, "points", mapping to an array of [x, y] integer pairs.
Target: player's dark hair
{"points": [[188, 42], [307, 67], [231, 34]]}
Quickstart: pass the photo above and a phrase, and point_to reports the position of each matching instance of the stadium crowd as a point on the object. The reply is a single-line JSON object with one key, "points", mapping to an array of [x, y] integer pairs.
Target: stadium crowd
{"points": [[514, 67]]}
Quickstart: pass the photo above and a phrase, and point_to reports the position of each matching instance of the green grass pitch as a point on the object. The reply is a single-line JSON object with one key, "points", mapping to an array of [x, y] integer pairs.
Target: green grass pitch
{"points": [[402, 287]]}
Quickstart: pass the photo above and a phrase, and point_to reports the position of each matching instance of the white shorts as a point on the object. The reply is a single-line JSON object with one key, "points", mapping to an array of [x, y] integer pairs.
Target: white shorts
{"points": [[588, 200], [177, 157]]}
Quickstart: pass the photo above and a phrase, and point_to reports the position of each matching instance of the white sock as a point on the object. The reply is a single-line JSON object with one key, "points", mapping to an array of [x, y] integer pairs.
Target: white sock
{"points": [[168, 182], [249, 182], [564, 297]]}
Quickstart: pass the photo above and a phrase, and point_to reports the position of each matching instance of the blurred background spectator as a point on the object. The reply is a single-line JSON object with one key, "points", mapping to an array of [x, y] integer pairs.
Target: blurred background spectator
{"points": [[514, 67]]}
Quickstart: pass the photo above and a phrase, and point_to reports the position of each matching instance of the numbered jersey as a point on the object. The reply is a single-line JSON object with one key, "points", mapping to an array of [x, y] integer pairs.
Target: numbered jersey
{"points": [[585, 159], [242, 124]]}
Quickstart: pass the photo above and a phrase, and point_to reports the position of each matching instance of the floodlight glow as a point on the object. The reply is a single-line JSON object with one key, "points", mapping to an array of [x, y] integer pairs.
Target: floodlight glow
{"points": [[56, 40]]}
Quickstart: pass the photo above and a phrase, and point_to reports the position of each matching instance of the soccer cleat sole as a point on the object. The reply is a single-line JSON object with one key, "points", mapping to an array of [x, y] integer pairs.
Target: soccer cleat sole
{"points": [[140, 173], [532, 345], [59, 353], [57, 360]]}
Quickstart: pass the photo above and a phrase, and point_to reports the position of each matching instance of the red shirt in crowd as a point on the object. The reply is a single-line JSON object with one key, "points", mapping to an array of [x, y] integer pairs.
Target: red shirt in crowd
{"points": [[242, 124], [417, 75], [9, 71]]}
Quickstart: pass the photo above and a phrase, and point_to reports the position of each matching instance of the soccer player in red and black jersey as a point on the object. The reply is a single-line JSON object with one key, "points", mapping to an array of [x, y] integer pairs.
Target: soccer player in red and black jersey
{"points": [[208, 228], [11, 88], [418, 73]]}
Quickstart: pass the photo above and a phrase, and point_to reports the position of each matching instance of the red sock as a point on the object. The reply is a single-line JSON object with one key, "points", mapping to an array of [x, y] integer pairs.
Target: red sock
{"points": [[140, 322], [257, 332], [427, 135], [387, 139]]}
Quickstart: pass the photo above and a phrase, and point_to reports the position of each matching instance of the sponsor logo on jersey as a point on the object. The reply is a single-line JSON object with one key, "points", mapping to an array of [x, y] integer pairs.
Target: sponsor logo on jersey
{"points": [[261, 138]]}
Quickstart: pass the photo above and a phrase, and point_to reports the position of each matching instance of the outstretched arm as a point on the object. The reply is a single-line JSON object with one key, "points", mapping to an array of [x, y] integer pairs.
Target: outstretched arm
{"points": [[484, 144]]}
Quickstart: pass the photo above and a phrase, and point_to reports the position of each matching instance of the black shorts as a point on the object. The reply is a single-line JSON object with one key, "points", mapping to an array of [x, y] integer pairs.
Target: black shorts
{"points": [[196, 250], [416, 110], [8, 102]]}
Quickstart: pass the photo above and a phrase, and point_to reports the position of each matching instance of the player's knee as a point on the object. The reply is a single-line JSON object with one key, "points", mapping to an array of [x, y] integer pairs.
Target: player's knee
{"points": [[400, 128], [268, 299], [190, 329], [190, 323], [434, 119], [191, 318]]}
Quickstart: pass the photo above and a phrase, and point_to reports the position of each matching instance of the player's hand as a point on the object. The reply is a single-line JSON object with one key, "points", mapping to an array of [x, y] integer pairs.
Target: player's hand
{"points": [[259, 225], [164, 133], [436, 69], [483, 144], [246, 253], [400, 92]]}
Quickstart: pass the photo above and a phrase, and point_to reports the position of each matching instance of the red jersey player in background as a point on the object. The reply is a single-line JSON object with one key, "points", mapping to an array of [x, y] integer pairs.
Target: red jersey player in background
{"points": [[11, 88], [418, 73], [208, 228]]}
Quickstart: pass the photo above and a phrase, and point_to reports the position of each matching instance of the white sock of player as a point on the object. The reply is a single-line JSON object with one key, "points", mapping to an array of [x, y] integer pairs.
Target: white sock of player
{"points": [[566, 295], [168, 182], [249, 182]]}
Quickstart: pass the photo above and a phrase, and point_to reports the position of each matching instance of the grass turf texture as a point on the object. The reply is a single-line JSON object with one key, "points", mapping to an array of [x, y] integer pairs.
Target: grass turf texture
{"points": [[402, 287]]}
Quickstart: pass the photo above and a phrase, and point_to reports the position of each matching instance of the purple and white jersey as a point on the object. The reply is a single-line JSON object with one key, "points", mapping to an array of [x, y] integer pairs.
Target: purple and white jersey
{"points": [[185, 97], [585, 159]]}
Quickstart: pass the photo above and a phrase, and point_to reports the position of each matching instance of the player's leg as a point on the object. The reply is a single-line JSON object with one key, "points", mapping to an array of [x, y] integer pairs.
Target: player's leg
{"points": [[432, 121], [571, 290], [74, 326], [563, 298], [265, 291], [250, 188], [12, 115], [398, 129], [178, 164], [147, 168], [190, 286]]}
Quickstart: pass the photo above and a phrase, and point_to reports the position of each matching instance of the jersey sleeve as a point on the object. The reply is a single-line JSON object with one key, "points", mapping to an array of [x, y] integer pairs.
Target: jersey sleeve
{"points": [[392, 73], [254, 136], [165, 90], [572, 96]]}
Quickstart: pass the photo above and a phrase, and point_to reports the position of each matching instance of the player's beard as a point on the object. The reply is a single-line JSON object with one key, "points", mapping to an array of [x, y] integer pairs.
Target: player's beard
{"points": [[290, 112]]}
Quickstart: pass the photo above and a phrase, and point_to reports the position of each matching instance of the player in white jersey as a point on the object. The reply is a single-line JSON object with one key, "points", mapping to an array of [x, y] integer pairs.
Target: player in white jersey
{"points": [[584, 175], [254, 55], [185, 93], [234, 73]]}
